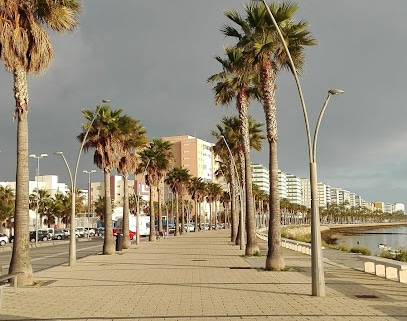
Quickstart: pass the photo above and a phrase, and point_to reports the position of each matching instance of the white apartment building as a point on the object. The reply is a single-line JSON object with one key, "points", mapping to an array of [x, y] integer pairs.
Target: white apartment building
{"points": [[294, 190], [261, 177], [398, 207], [282, 185], [323, 191]]}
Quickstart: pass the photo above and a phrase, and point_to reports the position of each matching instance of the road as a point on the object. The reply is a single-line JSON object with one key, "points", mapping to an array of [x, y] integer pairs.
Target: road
{"points": [[52, 253]]}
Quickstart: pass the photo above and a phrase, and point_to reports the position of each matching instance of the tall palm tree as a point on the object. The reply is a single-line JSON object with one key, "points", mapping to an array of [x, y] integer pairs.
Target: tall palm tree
{"points": [[129, 161], [178, 179], [214, 191], [106, 136], [197, 189], [238, 80], [229, 131], [258, 37], [26, 49], [155, 162], [7, 206]]}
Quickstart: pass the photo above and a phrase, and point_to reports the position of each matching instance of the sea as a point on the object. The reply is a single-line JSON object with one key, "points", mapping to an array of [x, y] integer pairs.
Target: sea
{"points": [[390, 238]]}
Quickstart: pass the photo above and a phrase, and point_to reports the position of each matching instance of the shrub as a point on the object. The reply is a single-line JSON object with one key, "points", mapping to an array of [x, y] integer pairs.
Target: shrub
{"points": [[402, 256], [386, 255], [360, 249], [343, 247]]}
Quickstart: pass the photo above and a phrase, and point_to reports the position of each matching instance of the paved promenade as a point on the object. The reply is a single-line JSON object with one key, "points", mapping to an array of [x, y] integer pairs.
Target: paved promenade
{"points": [[200, 276]]}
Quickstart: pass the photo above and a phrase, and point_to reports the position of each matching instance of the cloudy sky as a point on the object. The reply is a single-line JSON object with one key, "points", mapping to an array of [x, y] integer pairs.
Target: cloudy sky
{"points": [[152, 59]]}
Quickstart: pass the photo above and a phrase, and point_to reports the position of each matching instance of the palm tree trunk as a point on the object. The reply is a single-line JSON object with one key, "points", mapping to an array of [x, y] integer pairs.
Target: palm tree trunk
{"points": [[126, 213], [275, 259], [108, 244], [20, 259], [152, 215], [251, 242], [176, 215], [234, 201], [160, 212]]}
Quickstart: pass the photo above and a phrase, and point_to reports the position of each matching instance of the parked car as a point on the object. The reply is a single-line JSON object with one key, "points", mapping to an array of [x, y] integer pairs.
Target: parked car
{"points": [[90, 231], [4, 239], [188, 227], [100, 231], [80, 232], [42, 236], [132, 235], [45, 231], [59, 234]]}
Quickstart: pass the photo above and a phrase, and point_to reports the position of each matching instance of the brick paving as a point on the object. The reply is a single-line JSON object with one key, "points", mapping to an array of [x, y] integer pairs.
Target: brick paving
{"points": [[201, 276]]}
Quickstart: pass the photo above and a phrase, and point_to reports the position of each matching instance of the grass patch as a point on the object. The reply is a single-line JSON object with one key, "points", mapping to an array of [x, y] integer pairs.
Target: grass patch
{"points": [[258, 254], [360, 249], [398, 255], [39, 282], [343, 247]]}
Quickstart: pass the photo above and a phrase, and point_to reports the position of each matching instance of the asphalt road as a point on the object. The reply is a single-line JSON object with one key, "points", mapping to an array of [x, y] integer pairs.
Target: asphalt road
{"points": [[52, 253]]}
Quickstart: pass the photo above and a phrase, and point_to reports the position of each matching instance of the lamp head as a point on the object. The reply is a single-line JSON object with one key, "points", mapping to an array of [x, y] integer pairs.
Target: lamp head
{"points": [[59, 153], [336, 91], [44, 155], [105, 101]]}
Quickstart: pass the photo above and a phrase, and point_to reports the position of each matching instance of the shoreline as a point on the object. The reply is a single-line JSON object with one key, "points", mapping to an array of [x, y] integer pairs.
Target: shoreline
{"points": [[331, 233]]}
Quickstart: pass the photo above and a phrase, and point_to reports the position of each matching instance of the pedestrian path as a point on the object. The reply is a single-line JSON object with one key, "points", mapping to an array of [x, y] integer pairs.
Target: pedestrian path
{"points": [[200, 276]]}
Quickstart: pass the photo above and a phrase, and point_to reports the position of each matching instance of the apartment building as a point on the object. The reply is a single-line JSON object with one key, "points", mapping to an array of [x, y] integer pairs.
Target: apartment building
{"points": [[261, 177], [282, 185], [294, 191], [195, 155]]}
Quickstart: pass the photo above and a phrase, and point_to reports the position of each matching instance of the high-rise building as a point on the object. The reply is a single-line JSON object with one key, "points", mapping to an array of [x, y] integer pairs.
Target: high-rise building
{"points": [[294, 189], [195, 155], [282, 185], [261, 177]]}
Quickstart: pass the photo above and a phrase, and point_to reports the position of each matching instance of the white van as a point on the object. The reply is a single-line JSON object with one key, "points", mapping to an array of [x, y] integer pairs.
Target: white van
{"points": [[80, 232], [144, 224]]}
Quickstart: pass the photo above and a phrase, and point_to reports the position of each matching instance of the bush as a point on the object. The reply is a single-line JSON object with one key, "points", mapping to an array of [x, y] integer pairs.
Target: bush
{"points": [[402, 256], [343, 247], [360, 249], [387, 255]]}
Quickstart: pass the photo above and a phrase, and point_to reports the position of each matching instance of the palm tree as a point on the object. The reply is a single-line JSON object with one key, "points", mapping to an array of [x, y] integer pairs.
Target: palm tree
{"points": [[155, 162], [214, 191], [178, 179], [128, 164], [26, 49], [107, 133], [40, 201], [197, 189], [238, 80], [259, 37], [229, 131], [7, 202]]}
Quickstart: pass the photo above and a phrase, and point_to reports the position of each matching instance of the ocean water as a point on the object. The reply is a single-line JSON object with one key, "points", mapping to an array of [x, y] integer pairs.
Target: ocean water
{"points": [[393, 237]]}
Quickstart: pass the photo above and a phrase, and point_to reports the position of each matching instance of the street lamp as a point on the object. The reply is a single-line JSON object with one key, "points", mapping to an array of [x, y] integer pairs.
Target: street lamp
{"points": [[72, 239], [317, 268], [89, 194], [38, 193], [240, 196]]}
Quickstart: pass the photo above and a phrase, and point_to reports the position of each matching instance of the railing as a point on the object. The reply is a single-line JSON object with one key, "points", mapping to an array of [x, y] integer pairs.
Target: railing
{"points": [[298, 246]]}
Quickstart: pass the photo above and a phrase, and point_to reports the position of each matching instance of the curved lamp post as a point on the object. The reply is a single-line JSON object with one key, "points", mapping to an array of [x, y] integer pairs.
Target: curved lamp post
{"points": [[317, 270], [38, 193], [241, 235], [72, 238]]}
